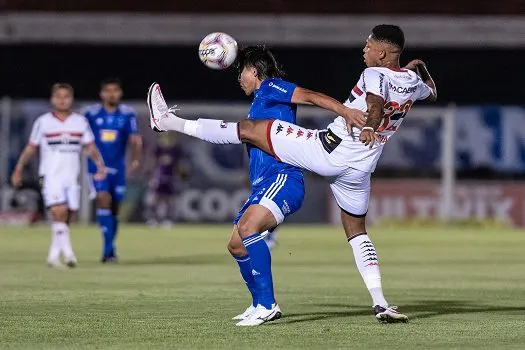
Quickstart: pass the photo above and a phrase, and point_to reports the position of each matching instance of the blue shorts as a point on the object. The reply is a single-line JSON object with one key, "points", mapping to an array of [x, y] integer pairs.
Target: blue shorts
{"points": [[114, 184], [282, 194]]}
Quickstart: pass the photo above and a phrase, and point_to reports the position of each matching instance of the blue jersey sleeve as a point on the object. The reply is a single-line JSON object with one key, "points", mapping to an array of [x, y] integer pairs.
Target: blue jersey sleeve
{"points": [[278, 90]]}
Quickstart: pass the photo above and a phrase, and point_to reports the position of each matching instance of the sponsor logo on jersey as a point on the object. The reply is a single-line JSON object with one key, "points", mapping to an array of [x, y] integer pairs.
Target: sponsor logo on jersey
{"points": [[289, 131], [107, 135], [381, 78], [299, 133], [279, 128], [223, 124], [278, 87], [402, 89]]}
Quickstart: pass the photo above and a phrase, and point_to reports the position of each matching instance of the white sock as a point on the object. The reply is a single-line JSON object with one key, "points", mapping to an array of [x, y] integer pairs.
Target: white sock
{"points": [[54, 248], [61, 232], [366, 260], [172, 123], [211, 130]]}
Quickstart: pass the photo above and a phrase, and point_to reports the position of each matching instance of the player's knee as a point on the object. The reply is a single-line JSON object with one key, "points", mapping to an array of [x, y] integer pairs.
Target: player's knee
{"points": [[103, 200], [247, 228], [59, 213], [236, 248], [247, 130]]}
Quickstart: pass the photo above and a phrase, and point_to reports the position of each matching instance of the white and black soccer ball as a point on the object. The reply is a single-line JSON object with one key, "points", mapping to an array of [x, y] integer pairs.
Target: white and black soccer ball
{"points": [[218, 50]]}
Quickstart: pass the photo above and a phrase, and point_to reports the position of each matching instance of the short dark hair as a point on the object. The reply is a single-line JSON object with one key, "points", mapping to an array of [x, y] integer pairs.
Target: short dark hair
{"points": [[260, 58], [110, 81], [389, 33], [57, 86]]}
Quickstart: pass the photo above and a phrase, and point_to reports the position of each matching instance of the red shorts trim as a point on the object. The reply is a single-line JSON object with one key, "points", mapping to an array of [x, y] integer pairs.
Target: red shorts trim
{"points": [[269, 138]]}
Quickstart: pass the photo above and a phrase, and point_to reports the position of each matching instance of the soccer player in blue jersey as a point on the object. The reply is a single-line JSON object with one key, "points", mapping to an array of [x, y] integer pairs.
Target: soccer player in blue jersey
{"points": [[114, 126], [277, 188]]}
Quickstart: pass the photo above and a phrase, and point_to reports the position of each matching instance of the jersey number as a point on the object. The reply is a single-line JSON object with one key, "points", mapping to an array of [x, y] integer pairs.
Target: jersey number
{"points": [[394, 111]]}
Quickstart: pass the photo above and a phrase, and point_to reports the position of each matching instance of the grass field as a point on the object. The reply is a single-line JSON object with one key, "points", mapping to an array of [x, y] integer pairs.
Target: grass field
{"points": [[178, 289]]}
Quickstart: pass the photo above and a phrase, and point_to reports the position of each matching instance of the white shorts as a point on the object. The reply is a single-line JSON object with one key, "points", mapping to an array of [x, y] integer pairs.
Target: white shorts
{"points": [[57, 194], [311, 150]]}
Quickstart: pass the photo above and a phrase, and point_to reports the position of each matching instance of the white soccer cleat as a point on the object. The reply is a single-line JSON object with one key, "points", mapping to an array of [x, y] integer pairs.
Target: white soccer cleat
{"points": [[261, 315], [250, 310], [71, 261], [56, 264], [158, 109], [389, 314]]}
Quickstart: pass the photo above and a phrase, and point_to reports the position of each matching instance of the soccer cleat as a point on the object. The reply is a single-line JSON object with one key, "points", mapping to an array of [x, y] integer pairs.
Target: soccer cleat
{"points": [[158, 108], [261, 315], [109, 260], [56, 264], [389, 314], [71, 261], [250, 310]]}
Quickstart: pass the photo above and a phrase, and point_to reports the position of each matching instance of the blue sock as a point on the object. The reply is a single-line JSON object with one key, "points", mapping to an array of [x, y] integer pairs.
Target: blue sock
{"points": [[105, 221], [261, 262], [246, 272], [114, 234]]}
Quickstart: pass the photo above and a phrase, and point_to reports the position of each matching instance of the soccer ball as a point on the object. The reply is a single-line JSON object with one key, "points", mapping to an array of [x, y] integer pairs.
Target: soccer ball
{"points": [[218, 50]]}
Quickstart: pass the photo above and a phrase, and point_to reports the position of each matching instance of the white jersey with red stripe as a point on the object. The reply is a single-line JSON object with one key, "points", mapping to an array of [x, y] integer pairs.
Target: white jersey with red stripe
{"points": [[399, 90], [60, 145]]}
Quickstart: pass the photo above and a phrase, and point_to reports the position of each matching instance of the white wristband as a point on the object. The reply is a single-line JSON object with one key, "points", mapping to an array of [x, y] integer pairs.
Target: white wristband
{"points": [[367, 128]]}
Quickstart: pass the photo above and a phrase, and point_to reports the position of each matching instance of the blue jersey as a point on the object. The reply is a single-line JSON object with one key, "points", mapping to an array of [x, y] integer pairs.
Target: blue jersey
{"points": [[273, 100], [111, 131]]}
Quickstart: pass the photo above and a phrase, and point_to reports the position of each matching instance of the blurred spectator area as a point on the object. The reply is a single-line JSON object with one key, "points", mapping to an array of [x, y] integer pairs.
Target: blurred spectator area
{"points": [[275, 6]]}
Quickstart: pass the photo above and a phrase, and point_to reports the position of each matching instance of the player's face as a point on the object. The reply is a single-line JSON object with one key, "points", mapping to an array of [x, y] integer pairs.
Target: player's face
{"points": [[372, 52], [248, 80], [111, 94], [62, 100]]}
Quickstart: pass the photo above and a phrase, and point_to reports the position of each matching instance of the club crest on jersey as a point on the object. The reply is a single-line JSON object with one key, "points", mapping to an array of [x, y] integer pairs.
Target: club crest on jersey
{"points": [[279, 129], [289, 131]]}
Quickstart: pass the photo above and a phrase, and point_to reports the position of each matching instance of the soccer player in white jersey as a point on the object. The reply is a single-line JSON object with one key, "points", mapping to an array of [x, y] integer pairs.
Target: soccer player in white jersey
{"points": [[60, 135], [344, 153]]}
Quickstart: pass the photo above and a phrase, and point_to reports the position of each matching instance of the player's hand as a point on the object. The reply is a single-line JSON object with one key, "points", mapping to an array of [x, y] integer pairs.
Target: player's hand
{"points": [[369, 137], [412, 65], [101, 173], [354, 117], [134, 166], [16, 178]]}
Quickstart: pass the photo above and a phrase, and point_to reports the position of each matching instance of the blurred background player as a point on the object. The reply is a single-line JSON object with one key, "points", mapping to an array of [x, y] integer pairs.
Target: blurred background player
{"points": [[114, 125], [61, 135], [171, 167]]}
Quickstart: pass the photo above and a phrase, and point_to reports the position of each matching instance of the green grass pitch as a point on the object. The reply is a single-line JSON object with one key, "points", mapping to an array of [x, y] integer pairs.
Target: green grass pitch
{"points": [[177, 289]]}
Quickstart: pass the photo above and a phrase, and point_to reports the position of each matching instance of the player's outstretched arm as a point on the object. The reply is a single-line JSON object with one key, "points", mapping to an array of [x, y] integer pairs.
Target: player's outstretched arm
{"points": [[308, 97], [93, 153], [421, 69], [28, 152]]}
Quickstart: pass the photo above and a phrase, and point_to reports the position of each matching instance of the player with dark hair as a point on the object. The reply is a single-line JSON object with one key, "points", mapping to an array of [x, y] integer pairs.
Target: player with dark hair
{"points": [[386, 92], [114, 125], [61, 135], [277, 188]]}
